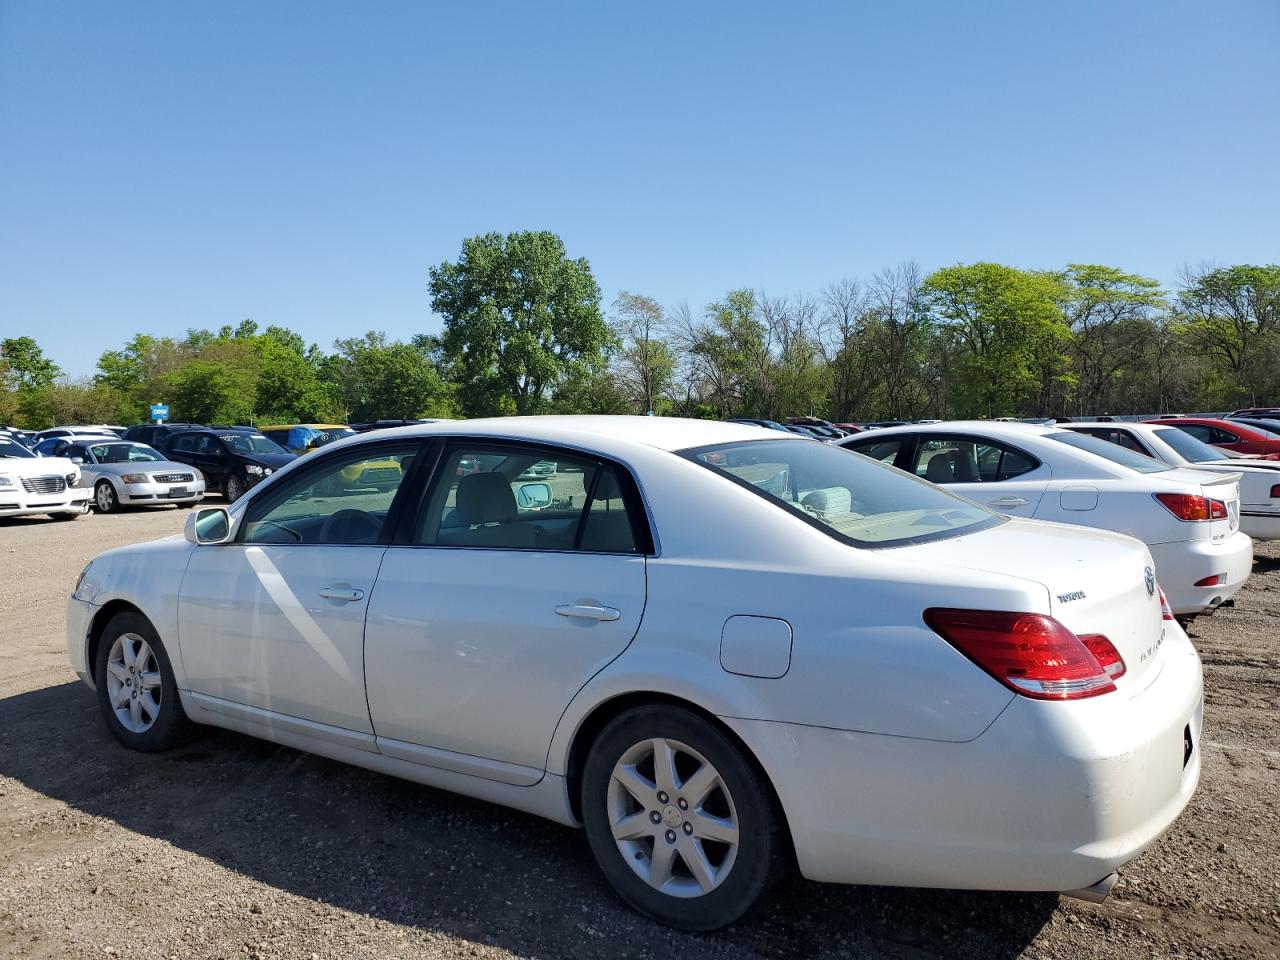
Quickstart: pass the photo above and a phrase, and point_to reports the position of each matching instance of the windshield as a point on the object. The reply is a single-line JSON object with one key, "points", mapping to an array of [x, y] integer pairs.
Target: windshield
{"points": [[12, 448], [124, 453], [1187, 446], [250, 443], [852, 498], [1110, 451]]}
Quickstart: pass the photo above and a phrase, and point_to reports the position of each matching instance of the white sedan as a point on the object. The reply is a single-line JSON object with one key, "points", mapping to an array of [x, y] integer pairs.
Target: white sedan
{"points": [[1259, 479], [716, 647], [1189, 520], [33, 485]]}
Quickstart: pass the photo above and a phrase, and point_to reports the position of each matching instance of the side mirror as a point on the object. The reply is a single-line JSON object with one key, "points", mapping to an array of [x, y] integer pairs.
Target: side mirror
{"points": [[76, 458], [208, 525], [533, 496]]}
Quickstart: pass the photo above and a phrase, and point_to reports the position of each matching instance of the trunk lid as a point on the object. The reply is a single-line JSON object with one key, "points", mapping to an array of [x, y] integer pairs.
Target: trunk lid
{"points": [[1224, 487], [1098, 582]]}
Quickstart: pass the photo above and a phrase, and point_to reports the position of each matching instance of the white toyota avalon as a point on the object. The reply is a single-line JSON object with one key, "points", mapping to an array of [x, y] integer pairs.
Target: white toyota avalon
{"points": [[716, 647]]}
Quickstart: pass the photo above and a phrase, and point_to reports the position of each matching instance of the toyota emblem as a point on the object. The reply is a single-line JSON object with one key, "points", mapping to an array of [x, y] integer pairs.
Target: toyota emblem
{"points": [[1151, 582]]}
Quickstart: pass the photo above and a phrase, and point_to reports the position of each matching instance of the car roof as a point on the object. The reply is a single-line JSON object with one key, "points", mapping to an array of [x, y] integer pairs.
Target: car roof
{"points": [[313, 426], [1010, 430], [662, 433]]}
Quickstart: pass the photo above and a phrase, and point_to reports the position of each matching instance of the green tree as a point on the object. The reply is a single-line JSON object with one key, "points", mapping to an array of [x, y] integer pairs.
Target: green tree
{"points": [[24, 365], [1233, 315], [645, 363], [1006, 324], [727, 355], [378, 379], [520, 318], [218, 386]]}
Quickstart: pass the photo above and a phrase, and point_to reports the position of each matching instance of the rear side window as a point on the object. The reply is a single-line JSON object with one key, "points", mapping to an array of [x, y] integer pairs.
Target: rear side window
{"points": [[514, 497], [886, 451], [967, 460]]}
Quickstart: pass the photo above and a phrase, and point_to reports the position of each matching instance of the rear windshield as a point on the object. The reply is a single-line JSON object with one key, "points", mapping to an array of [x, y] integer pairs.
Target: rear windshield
{"points": [[12, 448], [1187, 446], [1110, 451], [852, 498]]}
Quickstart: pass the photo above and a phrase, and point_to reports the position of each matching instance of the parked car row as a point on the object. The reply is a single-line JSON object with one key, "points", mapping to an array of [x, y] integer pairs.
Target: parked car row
{"points": [[733, 649]]}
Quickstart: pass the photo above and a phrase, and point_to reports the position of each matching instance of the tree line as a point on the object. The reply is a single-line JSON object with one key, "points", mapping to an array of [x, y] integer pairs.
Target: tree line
{"points": [[525, 331]]}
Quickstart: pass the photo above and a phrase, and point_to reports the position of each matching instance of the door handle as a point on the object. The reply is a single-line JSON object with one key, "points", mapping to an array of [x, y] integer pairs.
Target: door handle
{"points": [[346, 594], [583, 611], [1008, 502]]}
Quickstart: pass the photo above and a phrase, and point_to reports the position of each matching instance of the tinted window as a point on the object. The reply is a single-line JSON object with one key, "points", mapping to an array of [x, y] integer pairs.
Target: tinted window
{"points": [[962, 460], [12, 448], [1188, 446], [1109, 451], [886, 451], [855, 500], [184, 443], [342, 501], [1197, 430], [1223, 436], [515, 497]]}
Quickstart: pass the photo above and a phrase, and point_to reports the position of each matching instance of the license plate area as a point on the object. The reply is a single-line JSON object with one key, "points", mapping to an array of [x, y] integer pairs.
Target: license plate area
{"points": [[175, 492]]}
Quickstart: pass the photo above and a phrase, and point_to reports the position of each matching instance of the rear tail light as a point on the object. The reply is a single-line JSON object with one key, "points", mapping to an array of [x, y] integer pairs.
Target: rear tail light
{"points": [[1217, 580], [1029, 653], [1275, 491], [1166, 612], [1191, 507], [1105, 653]]}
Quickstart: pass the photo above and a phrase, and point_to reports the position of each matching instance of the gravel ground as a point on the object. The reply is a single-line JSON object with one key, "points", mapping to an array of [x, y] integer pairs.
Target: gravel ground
{"points": [[231, 847]]}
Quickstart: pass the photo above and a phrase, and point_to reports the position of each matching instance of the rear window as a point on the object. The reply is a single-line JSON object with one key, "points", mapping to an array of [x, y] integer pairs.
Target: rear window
{"points": [[846, 495], [1187, 446], [1110, 451]]}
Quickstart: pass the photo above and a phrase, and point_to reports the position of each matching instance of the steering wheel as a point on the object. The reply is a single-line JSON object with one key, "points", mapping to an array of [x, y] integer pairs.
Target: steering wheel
{"points": [[348, 523]]}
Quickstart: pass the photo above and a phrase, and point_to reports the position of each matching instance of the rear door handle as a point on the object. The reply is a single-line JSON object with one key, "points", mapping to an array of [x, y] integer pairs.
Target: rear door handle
{"points": [[1008, 502], [348, 594], [583, 611]]}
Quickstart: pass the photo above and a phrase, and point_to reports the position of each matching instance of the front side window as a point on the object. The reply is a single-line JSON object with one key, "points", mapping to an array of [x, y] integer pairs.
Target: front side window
{"points": [[345, 500], [511, 497], [855, 500], [1109, 451]]}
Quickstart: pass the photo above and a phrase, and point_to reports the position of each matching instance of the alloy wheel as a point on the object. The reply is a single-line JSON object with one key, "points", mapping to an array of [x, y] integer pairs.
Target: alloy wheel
{"points": [[133, 683], [672, 818], [105, 497]]}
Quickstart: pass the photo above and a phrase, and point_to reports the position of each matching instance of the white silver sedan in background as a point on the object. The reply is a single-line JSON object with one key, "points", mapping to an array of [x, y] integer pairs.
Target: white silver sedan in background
{"points": [[718, 648], [122, 473], [1259, 479], [1188, 519]]}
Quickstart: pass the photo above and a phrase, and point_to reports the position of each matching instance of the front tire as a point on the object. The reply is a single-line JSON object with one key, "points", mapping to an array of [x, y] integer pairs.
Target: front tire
{"points": [[681, 822], [104, 497], [137, 692], [234, 489]]}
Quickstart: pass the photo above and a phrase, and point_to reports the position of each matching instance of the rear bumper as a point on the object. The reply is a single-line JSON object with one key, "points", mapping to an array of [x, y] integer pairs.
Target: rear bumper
{"points": [[1050, 797], [1260, 522], [1180, 565]]}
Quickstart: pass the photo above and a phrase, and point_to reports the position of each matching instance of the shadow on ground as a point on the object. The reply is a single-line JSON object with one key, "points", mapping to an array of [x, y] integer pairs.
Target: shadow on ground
{"points": [[412, 855]]}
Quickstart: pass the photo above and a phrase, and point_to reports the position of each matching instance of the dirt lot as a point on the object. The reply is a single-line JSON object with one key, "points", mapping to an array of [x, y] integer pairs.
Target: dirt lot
{"points": [[235, 848]]}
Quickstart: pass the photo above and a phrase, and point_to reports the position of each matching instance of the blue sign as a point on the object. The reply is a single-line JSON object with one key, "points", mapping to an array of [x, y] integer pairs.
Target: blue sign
{"points": [[159, 411]]}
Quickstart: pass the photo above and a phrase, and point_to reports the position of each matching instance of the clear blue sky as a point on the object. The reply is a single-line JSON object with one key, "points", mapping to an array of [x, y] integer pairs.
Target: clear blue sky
{"points": [[174, 165]]}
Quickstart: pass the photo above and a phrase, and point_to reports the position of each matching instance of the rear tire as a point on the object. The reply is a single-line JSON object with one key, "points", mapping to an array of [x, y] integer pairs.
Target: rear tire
{"points": [[694, 848], [137, 691]]}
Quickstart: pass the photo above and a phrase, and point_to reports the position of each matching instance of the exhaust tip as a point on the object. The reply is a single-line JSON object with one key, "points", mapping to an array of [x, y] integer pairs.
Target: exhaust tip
{"points": [[1096, 892]]}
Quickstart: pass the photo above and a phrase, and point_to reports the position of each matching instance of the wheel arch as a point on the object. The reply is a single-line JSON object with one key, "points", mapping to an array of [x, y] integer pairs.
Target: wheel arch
{"points": [[98, 626], [600, 715]]}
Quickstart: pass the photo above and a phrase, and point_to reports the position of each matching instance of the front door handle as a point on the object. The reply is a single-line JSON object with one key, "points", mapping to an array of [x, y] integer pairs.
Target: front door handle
{"points": [[584, 611], [347, 594], [1008, 502]]}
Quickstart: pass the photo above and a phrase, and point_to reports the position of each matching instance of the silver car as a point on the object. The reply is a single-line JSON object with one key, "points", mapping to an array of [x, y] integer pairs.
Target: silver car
{"points": [[126, 474]]}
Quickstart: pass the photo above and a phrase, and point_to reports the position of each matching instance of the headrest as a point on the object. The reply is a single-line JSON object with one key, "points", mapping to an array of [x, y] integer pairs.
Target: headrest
{"points": [[607, 487], [941, 468], [485, 498]]}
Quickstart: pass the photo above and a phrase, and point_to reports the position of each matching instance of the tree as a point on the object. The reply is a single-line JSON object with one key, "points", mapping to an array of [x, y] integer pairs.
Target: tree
{"points": [[520, 317], [378, 379], [645, 363], [24, 365], [726, 355], [1004, 322], [218, 386], [1233, 314]]}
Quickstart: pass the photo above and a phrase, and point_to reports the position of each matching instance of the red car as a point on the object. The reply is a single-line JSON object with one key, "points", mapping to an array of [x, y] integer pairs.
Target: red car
{"points": [[1228, 434]]}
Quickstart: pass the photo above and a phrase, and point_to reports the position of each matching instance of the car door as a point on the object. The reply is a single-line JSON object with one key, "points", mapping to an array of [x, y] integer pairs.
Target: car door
{"points": [[274, 621], [990, 472], [503, 600], [213, 459]]}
